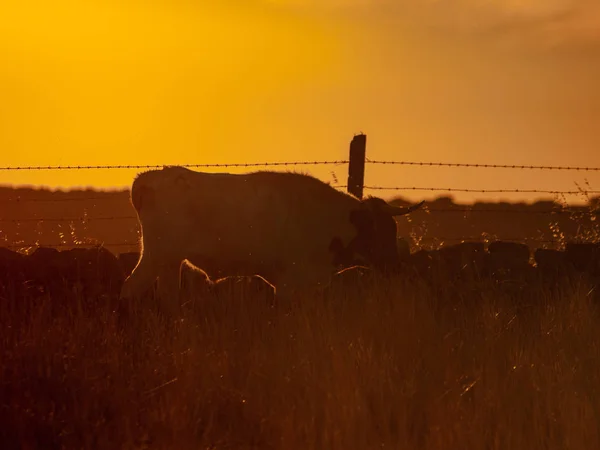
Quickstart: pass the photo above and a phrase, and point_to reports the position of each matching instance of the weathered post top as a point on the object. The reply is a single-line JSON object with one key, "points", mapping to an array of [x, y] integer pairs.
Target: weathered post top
{"points": [[356, 166]]}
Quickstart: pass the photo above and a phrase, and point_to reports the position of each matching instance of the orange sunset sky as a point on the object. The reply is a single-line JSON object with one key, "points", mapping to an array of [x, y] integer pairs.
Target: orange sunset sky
{"points": [[218, 81]]}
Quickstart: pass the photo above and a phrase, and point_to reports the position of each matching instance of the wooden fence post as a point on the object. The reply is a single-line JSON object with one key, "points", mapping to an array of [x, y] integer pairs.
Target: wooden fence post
{"points": [[356, 166]]}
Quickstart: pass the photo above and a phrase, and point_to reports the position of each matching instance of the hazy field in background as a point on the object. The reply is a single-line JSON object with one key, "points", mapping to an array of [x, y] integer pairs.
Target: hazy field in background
{"points": [[30, 217], [395, 364]]}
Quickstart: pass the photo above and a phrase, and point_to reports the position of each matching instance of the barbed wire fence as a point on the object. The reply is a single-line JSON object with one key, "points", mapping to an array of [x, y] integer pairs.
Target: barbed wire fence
{"points": [[355, 185]]}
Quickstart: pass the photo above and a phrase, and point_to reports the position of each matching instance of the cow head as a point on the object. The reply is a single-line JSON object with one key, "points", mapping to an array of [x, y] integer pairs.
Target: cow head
{"points": [[375, 240], [148, 186]]}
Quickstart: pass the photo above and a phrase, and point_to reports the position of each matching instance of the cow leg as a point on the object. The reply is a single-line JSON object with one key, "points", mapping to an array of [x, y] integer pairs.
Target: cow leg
{"points": [[141, 281], [168, 291], [141, 278], [134, 287]]}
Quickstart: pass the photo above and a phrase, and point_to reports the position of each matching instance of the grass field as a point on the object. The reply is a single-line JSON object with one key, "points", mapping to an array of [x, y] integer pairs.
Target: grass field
{"points": [[394, 365]]}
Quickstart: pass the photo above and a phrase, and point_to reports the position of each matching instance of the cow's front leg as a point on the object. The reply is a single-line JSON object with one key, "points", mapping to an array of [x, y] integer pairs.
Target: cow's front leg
{"points": [[135, 286], [141, 278], [168, 292]]}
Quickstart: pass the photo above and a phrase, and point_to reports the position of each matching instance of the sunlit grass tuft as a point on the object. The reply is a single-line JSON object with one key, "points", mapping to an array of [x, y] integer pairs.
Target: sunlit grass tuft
{"points": [[398, 365]]}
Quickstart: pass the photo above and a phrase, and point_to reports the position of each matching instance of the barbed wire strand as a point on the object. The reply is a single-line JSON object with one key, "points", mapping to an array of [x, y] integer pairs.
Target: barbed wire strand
{"points": [[74, 245], [484, 166], [107, 196], [482, 191], [417, 239], [582, 209], [298, 163], [160, 166], [110, 195], [426, 209], [66, 219], [482, 238]]}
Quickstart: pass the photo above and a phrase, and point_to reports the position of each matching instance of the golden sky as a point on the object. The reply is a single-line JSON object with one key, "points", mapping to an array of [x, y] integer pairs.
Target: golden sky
{"points": [[169, 82]]}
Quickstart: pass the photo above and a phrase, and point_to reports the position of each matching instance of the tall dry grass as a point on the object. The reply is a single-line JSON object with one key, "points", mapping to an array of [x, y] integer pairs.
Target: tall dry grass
{"points": [[394, 365]]}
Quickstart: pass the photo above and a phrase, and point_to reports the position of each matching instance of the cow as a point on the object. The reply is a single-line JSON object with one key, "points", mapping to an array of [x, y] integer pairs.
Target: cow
{"points": [[211, 301], [509, 261], [585, 257], [253, 287], [465, 260], [12, 272], [508, 255], [552, 266], [196, 283], [44, 273], [77, 272], [290, 228], [550, 261], [93, 272]]}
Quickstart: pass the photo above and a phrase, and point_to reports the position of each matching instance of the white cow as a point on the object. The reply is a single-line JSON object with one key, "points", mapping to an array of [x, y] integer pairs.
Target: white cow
{"points": [[290, 228]]}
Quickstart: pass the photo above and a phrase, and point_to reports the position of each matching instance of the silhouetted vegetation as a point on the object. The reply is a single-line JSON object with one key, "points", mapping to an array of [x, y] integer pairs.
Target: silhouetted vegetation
{"points": [[458, 352], [397, 364]]}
